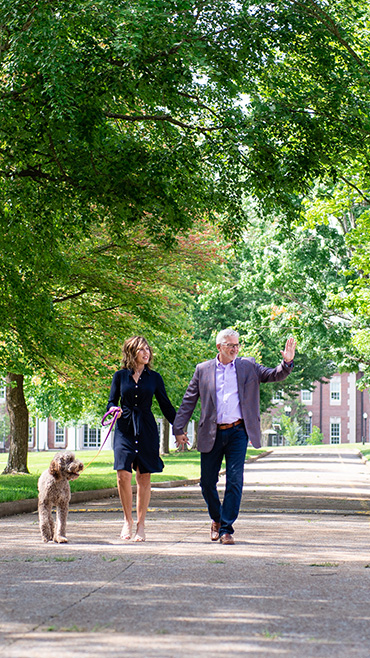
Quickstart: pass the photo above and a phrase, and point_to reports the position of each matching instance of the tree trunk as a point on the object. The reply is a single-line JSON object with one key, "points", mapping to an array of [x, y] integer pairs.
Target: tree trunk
{"points": [[18, 417], [194, 445], [165, 438]]}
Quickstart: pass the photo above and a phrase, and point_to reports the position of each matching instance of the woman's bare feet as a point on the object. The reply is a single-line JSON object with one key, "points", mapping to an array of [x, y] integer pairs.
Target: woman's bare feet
{"points": [[140, 533], [126, 530]]}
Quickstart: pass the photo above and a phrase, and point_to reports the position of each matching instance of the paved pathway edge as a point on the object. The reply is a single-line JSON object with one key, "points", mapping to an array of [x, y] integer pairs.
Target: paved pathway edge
{"points": [[29, 505]]}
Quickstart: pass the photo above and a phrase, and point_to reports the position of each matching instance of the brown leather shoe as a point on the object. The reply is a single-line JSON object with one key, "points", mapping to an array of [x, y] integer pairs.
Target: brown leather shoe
{"points": [[227, 539], [215, 529]]}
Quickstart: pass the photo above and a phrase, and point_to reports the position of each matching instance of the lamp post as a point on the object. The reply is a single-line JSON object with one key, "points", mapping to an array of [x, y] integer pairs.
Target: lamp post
{"points": [[310, 420], [364, 416], [287, 410]]}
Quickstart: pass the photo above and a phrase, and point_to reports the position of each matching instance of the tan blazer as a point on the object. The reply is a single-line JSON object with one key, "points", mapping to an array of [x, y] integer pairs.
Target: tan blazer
{"points": [[203, 385]]}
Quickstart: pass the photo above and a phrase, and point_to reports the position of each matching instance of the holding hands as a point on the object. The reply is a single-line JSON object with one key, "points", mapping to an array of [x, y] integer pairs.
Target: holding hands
{"points": [[182, 440], [289, 351]]}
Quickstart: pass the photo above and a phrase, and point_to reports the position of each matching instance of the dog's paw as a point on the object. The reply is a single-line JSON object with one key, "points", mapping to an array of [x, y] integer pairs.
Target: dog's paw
{"points": [[46, 539], [59, 539]]}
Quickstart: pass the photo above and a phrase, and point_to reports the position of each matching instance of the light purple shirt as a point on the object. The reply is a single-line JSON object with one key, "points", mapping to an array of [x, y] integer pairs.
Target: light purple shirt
{"points": [[227, 396]]}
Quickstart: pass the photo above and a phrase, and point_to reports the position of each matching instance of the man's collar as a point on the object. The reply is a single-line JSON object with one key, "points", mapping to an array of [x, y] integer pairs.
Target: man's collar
{"points": [[223, 365]]}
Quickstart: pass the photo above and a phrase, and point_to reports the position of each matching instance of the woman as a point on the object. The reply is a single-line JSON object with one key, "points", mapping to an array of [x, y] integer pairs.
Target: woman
{"points": [[136, 439]]}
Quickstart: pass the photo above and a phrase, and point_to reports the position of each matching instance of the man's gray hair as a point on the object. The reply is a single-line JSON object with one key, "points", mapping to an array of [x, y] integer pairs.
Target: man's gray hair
{"points": [[224, 334]]}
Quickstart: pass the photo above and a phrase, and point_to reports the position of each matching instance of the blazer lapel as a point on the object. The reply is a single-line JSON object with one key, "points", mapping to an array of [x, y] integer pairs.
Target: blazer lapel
{"points": [[211, 380], [242, 375]]}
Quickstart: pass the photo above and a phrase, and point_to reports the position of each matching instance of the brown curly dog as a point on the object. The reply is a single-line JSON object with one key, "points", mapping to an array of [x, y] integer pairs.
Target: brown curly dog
{"points": [[54, 490]]}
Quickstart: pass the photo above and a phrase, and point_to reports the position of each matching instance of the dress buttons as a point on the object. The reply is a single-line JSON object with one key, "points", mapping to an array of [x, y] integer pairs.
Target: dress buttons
{"points": [[136, 451]]}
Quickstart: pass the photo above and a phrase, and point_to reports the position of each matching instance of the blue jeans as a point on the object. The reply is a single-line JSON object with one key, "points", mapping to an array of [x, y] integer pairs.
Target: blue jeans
{"points": [[231, 443]]}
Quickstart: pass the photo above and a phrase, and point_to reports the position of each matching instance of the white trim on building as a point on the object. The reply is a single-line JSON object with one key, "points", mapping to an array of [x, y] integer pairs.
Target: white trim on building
{"points": [[335, 391], [335, 430], [352, 407]]}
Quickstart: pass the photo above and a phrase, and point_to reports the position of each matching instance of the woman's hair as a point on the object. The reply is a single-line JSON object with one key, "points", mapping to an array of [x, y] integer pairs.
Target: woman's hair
{"points": [[130, 349]]}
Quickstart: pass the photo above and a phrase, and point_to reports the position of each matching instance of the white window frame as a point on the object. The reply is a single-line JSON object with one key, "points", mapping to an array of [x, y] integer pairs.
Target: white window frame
{"points": [[307, 428], [335, 391], [335, 423], [277, 439], [306, 396], [91, 437], [59, 434]]}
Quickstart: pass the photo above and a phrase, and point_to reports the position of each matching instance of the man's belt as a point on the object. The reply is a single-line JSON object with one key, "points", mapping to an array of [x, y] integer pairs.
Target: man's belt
{"points": [[226, 426]]}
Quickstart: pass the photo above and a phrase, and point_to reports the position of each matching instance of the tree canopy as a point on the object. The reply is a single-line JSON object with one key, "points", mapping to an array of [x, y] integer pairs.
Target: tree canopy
{"points": [[162, 109], [123, 126], [119, 105]]}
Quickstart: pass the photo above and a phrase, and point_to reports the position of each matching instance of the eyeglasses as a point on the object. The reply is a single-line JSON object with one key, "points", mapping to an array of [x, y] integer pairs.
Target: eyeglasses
{"points": [[230, 345]]}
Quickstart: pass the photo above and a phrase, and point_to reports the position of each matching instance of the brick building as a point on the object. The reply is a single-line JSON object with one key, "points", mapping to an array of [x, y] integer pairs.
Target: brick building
{"points": [[52, 435], [336, 407]]}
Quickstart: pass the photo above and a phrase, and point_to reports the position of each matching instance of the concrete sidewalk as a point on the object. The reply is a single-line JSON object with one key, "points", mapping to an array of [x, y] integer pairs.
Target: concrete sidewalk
{"points": [[295, 585]]}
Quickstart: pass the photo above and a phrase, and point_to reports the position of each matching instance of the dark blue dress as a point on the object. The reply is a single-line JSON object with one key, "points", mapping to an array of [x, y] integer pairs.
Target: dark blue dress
{"points": [[136, 438]]}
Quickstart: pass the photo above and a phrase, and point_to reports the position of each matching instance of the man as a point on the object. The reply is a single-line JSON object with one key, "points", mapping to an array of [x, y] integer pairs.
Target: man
{"points": [[228, 387]]}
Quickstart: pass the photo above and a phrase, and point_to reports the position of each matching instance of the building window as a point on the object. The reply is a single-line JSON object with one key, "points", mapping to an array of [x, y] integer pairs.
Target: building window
{"points": [[334, 431], [306, 396], [59, 434], [92, 437], [2, 390], [306, 428], [335, 390], [276, 437]]}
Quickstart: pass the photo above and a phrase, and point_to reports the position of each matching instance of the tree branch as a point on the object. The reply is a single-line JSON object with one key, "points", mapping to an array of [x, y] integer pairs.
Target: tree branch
{"points": [[58, 300], [330, 24], [15, 94], [159, 117], [365, 198], [31, 172], [199, 102], [55, 155], [326, 320]]}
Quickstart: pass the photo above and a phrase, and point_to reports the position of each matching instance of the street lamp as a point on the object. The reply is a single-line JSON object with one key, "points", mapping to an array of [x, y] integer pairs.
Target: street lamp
{"points": [[364, 416], [287, 410], [310, 417]]}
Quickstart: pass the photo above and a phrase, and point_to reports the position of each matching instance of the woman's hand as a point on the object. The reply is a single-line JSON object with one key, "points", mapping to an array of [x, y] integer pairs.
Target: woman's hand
{"points": [[113, 410], [182, 440]]}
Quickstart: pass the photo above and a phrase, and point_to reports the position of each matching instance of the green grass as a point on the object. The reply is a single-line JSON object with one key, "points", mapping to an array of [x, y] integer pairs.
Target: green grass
{"points": [[99, 475], [365, 450]]}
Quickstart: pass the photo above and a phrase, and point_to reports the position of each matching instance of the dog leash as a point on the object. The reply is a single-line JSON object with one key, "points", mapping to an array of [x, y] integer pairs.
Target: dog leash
{"points": [[115, 411]]}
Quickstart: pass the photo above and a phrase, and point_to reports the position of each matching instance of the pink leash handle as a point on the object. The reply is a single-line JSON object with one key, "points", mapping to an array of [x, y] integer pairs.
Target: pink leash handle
{"points": [[112, 410]]}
